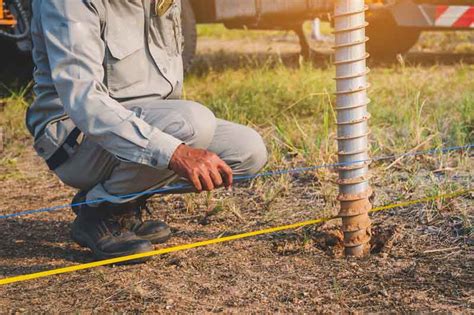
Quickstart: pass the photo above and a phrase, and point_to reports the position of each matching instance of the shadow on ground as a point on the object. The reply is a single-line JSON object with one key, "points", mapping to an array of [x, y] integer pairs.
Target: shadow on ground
{"points": [[30, 241]]}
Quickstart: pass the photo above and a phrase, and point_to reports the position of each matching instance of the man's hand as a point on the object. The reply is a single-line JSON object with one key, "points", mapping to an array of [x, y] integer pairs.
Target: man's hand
{"points": [[204, 169]]}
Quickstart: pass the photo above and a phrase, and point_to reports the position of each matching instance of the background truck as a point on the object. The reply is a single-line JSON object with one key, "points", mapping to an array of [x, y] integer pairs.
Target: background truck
{"points": [[394, 25]]}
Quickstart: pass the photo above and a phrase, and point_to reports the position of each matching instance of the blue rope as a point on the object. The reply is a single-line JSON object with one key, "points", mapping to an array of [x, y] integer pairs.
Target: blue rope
{"points": [[177, 188]]}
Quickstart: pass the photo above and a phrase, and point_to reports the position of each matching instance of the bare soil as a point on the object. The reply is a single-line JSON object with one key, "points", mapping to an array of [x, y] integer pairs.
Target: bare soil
{"points": [[422, 256]]}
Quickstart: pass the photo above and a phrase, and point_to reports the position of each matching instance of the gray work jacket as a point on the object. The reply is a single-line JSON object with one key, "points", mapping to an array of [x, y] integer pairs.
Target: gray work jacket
{"points": [[89, 55]]}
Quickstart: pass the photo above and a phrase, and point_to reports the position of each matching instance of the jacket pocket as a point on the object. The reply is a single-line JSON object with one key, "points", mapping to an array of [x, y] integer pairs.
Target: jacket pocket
{"points": [[125, 73], [126, 57], [124, 44]]}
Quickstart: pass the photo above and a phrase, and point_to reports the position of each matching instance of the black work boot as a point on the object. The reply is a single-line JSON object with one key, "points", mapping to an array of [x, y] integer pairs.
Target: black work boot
{"points": [[100, 229], [154, 231]]}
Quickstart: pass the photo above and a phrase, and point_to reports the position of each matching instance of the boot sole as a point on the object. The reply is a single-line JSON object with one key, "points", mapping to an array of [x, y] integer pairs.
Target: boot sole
{"points": [[153, 239], [84, 241], [157, 238]]}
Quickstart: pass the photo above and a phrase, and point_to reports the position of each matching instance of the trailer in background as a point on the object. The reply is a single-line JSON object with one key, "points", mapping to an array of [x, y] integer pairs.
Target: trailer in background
{"points": [[394, 25]]}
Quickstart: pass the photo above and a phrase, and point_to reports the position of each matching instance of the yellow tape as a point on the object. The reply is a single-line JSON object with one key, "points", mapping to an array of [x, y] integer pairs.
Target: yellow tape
{"points": [[209, 242]]}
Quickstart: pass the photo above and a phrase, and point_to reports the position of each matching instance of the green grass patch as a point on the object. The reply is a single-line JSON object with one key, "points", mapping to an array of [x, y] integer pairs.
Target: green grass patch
{"points": [[14, 135], [411, 105]]}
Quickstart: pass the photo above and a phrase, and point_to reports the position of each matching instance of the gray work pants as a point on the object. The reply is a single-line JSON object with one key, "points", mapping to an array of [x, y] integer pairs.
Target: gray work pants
{"points": [[105, 176]]}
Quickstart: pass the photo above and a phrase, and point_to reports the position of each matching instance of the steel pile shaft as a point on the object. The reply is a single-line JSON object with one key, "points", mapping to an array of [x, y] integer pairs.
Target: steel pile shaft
{"points": [[352, 124]]}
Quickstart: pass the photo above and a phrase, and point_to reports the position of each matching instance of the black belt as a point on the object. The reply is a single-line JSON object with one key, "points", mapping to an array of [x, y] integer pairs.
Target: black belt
{"points": [[61, 156]]}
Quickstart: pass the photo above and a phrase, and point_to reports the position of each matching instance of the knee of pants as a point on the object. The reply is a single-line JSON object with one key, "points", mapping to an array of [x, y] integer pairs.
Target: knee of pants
{"points": [[255, 154], [203, 124]]}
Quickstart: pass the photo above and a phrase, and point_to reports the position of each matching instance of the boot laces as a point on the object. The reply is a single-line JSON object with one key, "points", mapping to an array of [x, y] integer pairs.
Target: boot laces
{"points": [[134, 216], [142, 207], [113, 224]]}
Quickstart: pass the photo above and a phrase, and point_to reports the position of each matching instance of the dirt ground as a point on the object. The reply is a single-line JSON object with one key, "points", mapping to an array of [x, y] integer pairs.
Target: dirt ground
{"points": [[422, 255]]}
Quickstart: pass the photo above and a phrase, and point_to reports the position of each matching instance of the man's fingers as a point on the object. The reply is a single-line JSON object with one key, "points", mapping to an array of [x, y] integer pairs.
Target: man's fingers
{"points": [[216, 177], [206, 182], [227, 174], [194, 178]]}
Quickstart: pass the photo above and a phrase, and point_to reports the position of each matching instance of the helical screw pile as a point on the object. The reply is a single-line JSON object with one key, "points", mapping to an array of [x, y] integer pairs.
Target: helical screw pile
{"points": [[352, 124]]}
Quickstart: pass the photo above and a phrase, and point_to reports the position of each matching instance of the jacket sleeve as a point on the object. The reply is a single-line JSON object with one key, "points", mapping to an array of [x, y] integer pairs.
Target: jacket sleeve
{"points": [[75, 49]]}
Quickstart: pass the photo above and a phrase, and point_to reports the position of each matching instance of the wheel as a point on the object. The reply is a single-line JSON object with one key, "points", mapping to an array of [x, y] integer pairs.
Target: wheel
{"points": [[14, 64], [15, 56], [387, 39], [190, 34]]}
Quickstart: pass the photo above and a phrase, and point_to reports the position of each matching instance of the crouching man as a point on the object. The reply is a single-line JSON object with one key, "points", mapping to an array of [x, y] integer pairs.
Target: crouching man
{"points": [[108, 118]]}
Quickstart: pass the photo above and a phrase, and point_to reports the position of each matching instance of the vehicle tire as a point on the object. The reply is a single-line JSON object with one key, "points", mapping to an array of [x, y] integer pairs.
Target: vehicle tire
{"points": [[387, 39], [190, 34], [14, 63]]}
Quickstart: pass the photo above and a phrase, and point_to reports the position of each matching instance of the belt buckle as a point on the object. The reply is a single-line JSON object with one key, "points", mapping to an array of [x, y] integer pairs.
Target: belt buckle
{"points": [[162, 6]]}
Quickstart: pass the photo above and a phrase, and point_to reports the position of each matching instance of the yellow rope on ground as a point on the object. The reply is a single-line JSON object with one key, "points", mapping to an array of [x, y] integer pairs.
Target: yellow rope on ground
{"points": [[210, 242]]}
